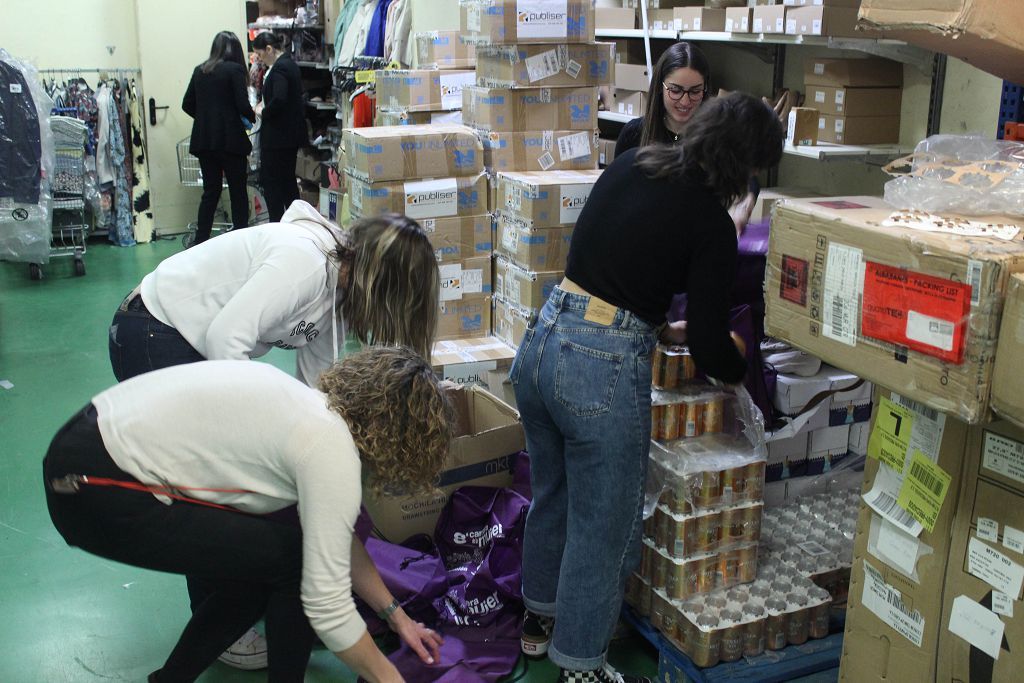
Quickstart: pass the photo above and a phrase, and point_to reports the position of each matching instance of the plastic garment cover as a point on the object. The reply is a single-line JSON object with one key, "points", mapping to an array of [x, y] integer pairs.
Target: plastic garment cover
{"points": [[26, 163], [964, 174]]}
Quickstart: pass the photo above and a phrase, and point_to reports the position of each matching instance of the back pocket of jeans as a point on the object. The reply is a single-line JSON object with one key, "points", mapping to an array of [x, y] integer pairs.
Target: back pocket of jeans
{"points": [[585, 379], [517, 362]]}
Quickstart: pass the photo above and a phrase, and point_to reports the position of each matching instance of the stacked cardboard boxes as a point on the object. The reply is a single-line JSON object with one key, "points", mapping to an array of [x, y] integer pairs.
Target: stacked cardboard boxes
{"points": [[858, 100], [821, 17], [420, 96]]}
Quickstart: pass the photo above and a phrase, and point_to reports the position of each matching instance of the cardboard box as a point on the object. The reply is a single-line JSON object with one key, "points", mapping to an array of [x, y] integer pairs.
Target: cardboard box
{"points": [[787, 457], [540, 150], [983, 33], [531, 66], [444, 50], [499, 384], [465, 279], [459, 238], [859, 432], [631, 102], [467, 361], [465, 318], [511, 322], [507, 22], [413, 118], [855, 101], [407, 90], [858, 130], [793, 392], [615, 18], [607, 151], [889, 303], [307, 166], [803, 127], [1007, 379], [698, 19], [819, 3], [852, 406], [398, 152], [503, 110], [664, 4], [523, 288], [418, 199], [632, 77], [822, 21], [739, 19], [488, 433], [827, 445], [768, 197], [893, 619], [332, 205], [768, 19], [872, 72], [547, 199], [532, 248], [985, 563], [659, 19]]}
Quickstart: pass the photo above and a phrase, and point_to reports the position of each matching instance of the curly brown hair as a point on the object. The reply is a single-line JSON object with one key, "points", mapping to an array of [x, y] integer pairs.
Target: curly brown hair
{"points": [[399, 416]]}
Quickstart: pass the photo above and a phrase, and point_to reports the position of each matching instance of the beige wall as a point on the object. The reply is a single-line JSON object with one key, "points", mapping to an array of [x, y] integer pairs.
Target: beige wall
{"points": [[65, 33]]}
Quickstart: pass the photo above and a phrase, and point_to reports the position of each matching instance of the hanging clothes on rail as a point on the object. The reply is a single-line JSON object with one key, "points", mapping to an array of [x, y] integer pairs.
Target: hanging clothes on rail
{"points": [[345, 16], [354, 40], [142, 209], [20, 147], [121, 229], [397, 44], [375, 34]]}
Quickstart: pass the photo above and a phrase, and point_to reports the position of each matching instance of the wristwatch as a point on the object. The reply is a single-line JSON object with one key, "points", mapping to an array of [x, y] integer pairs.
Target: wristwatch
{"points": [[386, 613]]}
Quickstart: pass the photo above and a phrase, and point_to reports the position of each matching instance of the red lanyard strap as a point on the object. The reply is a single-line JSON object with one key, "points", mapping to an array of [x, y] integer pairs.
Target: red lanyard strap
{"points": [[71, 483]]}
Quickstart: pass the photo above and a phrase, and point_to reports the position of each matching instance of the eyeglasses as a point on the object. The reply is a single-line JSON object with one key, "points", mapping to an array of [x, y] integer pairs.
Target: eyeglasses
{"points": [[675, 92]]}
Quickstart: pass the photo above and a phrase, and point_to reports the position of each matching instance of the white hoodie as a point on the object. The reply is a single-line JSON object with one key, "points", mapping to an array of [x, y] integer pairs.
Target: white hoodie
{"points": [[239, 294]]}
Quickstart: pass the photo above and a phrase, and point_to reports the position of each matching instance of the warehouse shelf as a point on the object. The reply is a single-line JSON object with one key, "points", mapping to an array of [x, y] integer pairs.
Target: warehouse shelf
{"points": [[635, 33], [614, 116], [863, 153], [315, 65]]}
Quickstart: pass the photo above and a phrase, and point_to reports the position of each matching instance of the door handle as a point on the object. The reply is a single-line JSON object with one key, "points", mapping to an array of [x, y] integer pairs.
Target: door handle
{"points": [[152, 110]]}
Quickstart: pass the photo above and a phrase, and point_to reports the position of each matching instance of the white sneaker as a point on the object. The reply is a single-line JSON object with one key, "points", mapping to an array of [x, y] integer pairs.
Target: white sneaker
{"points": [[248, 652]]}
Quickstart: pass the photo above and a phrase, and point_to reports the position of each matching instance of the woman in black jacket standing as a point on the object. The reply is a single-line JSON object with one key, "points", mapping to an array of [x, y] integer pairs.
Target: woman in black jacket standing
{"points": [[217, 99], [283, 129]]}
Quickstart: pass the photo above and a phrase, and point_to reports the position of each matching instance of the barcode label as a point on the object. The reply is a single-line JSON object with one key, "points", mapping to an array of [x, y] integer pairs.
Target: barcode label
{"points": [[886, 505], [838, 311], [974, 280], [844, 285], [574, 146], [926, 478], [918, 408], [574, 68], [542, 66], [546, 161]]}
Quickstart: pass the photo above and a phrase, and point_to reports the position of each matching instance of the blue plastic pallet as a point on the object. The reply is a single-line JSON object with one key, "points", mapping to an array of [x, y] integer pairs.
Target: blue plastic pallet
{"points": [[772, 667], [1011, 106]]}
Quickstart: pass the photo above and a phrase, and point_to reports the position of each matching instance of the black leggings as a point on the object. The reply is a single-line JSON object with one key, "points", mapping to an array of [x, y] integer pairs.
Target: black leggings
{"points": [[277, 175], [217, 167], [252, 564]]}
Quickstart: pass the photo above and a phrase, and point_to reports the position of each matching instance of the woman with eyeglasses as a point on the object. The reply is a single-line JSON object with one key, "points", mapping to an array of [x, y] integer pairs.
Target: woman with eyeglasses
{"points": [[679, 85], [582, 374]]}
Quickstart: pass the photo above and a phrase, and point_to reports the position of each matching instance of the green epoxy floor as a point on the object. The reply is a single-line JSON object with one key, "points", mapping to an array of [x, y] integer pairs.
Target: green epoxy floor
{"points": [[67, 615]]}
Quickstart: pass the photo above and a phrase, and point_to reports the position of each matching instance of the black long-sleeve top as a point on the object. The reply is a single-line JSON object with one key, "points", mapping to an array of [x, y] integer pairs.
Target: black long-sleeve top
{"points": [[639, 241], [217, 101], [284, 118]]}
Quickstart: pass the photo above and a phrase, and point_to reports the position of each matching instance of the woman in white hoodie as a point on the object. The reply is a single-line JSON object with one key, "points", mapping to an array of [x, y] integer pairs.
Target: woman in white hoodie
{"points": [[299, 284]]}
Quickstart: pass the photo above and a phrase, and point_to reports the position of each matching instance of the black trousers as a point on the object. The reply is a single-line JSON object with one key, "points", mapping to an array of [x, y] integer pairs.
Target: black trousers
{"points": [[216, 166], [253, 564], [277, 176]]}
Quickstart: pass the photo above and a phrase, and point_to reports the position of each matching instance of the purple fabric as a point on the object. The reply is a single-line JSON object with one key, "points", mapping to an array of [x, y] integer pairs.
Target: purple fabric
{"points": [[477, 517], [481, 595], [750, 266], [465, 658]]}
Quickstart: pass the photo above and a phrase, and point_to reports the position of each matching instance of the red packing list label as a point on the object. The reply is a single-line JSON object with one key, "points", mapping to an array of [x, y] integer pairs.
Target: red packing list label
{"points": [[924, 313]]}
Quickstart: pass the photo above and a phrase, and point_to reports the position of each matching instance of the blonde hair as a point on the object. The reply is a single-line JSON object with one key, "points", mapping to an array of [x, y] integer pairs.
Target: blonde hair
{"points": [[400, 418], [392, 296]]}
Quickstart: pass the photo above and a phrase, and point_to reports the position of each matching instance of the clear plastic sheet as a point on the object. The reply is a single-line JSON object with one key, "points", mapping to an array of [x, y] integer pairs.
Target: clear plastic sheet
{"points": [[26, 203], [964, 174]]}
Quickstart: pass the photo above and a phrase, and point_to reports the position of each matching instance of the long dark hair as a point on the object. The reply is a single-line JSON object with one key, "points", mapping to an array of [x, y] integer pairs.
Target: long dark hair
{"points": [[268, 39], [680, 55], [726, 141], [226, 48]]}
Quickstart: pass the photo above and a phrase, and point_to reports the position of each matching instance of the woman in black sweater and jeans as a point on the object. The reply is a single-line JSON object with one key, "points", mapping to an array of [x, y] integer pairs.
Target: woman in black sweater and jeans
{"points": [[283, 130], [216, 98], [655, 224]]}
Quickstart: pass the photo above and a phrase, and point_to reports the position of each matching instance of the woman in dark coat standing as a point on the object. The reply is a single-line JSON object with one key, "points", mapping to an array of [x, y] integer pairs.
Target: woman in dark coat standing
{"points": [[283, 130], [217, 99]]}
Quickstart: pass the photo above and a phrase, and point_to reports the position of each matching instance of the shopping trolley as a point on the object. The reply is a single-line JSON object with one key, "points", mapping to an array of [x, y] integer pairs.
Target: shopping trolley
{"points": [[191, 175]]}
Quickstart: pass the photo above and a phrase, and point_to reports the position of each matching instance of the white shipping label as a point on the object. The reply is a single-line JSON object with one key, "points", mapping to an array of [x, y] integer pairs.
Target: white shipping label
{"points": [[573, 68], [844, 284], [574, 146], [1002, 604], [819, 68], [898, 547], [451, 88], [542, 18], [451, 281], [974, 280], [791, 26], [573, 197], [993, 567], [545, 161], [1003, 456], [840, 96], [778, 25], [509, 238], [816, 27], [840, 124], [472, 281], [729, 23], [428, 225], [432, 198], [542, 66], [758, 25], [473, 17], [930, 330], [696, 23], [744, 24], [886, 603], [988, 529], [15, 88], [356, 193], [1013, 539], [979, 626], [819, 96]]}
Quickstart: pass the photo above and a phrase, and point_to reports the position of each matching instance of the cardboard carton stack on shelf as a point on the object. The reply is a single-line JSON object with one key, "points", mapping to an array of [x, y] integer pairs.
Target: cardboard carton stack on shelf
{"points": [[858, 100], [426, 95], [915, 303], [822, 17]]}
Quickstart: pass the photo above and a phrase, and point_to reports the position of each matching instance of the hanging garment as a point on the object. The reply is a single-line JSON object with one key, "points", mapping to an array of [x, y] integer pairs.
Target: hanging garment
{"points": [[142, 209], [355, 36], [120, 232], [121, 103], [375, 35], [348, 11], [104, 164], [20, 145], [398, 35]]}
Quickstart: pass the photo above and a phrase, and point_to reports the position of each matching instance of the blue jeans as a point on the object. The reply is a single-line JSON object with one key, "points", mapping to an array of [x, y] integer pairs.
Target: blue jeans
{"points": [[584, 393], [139, 342]]}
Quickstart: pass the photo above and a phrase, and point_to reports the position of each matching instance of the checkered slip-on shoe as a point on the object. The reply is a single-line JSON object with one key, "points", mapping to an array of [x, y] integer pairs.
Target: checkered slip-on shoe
{"points": [[606, 674], [536, 636], [248, 653]]}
